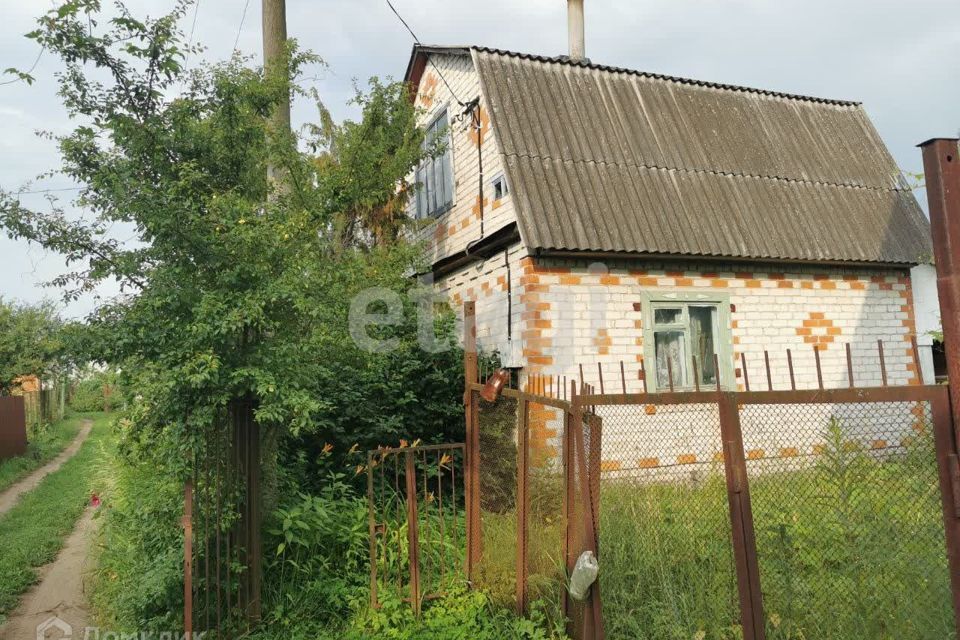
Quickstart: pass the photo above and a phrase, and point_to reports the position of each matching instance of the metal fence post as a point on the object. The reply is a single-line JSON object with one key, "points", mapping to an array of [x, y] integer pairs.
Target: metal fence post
{"points": [[413, 533], [472, 453], [948, 467], [741, 519], [188, 558], [523, 504], [941, 164]]}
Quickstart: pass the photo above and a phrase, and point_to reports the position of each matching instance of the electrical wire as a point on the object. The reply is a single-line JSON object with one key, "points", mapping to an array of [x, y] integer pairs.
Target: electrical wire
{"points": [[29, 71], [417, 40], [400, 17], [193, 25], [27, 193], [243, 17]]}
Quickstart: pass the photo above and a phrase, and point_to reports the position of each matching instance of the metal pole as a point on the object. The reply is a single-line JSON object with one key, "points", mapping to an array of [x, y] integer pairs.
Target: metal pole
{"points": [[413, 531], [523, 505], [949, 474], [941, 164], [188, 558], [472, 454], [741, 519]]}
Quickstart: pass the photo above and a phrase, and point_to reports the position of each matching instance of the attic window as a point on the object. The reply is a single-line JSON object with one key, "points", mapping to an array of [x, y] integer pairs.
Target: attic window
{"points": [[500, 187]]}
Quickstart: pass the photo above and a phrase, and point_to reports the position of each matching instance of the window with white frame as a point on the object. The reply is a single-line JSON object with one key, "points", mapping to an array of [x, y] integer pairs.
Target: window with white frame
{"points": [[435, 174], [500, 188], [681, 335]]}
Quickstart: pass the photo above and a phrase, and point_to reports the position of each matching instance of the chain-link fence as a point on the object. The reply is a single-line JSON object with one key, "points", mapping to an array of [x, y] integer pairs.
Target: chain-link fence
{"points": [[723, 515], [665, 541], [848, 520]]}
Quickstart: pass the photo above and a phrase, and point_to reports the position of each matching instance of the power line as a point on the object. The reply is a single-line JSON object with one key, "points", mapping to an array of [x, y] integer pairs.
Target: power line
{"points": [[193, 25], [397, 13], [27, 193], [19, 78], [435, 67], [240, 28]]}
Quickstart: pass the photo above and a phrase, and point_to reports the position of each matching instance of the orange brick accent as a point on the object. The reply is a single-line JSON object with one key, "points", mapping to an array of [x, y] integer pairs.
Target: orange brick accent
{"points": [[570, 280], [603, 342], [476, 207], [648, 463], [818, 330], [819, 449], [755, 454], [687, 458], [789, 452], [650, 409], [428, 90], [879, 444], [610, 465]]}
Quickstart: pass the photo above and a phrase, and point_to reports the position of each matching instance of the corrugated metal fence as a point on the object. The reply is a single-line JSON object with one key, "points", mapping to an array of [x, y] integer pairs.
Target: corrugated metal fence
{"points": [[13, 427]]}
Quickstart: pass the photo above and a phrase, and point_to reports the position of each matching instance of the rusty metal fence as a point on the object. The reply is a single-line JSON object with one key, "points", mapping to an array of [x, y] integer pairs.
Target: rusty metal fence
{"points": [[223, 564], [417, 526], [823, 513]]}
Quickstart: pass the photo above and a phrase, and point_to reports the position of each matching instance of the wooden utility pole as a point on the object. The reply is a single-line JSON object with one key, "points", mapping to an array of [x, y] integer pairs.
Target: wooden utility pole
{"points": [[275, 55]]}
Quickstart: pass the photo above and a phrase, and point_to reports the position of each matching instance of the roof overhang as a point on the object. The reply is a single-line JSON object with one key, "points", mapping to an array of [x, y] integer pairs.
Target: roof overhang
{"points": [[418, 62]]}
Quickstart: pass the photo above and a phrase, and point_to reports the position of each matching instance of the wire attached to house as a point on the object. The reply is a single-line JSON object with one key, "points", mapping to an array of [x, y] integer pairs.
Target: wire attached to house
{"points": [[417, 41]]}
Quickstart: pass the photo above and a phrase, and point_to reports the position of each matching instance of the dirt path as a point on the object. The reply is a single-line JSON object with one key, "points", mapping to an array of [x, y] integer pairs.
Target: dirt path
{"points": [[60, 592], [11, 496]]}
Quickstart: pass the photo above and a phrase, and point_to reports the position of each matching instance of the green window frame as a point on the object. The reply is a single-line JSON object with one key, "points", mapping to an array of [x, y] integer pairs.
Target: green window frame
{"points": [[680, 325]]}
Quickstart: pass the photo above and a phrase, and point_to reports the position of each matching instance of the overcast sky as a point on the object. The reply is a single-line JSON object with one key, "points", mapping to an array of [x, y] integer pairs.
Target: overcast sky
{"points": [[899, 58]]}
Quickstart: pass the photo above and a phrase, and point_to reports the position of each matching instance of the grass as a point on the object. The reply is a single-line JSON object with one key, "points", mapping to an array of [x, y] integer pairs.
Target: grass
{"points": [[34, 530], [45, 444], [849, 547]]}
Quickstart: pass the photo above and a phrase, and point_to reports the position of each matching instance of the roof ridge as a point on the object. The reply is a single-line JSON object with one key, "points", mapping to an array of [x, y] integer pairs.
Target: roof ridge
{"points": [[587, 64], [715, 172]]}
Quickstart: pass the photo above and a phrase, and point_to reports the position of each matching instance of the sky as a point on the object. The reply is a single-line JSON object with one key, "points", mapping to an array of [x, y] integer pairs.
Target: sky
{"points": [[898, 58]]}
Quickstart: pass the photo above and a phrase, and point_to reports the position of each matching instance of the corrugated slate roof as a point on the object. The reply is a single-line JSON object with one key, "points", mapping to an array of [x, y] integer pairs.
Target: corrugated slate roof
{"points": [[613, 160]]}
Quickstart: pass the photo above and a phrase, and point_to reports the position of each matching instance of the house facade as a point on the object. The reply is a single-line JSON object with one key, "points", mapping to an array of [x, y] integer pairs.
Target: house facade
{"points": [[650, 223]]}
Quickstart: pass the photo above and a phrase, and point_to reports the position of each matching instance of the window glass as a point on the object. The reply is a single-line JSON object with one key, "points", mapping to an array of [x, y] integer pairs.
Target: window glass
{"points": [[500, 189], [667, 316], [671, 358], [685, 340], [703, 321], [435, 175]]}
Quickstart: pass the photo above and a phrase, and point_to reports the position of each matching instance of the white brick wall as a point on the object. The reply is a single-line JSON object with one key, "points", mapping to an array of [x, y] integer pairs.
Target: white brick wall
{"points": [[452, 231]]}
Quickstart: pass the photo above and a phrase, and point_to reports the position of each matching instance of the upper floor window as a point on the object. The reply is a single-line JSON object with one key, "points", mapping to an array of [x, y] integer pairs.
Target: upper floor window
{"points": [[500, 188], [435, 175]]}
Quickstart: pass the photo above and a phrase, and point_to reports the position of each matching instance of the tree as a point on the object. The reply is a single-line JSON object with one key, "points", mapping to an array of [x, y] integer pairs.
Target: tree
{"points": [[31, 341], [232, 290]]}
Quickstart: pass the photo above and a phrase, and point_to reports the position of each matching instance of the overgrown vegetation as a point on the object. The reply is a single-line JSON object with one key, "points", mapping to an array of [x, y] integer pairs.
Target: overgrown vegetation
{"points": [[44, 442], [31, 342], [95, 391], [851, 547], [34, 530]]}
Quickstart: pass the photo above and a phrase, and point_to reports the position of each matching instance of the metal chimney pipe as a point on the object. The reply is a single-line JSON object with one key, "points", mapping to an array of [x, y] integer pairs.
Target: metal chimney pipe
{"points": [[575, 27]]}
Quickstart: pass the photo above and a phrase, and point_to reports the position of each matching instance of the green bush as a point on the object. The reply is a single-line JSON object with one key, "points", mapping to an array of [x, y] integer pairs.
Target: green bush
{"points": [[138, 583], [87, 394]]}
